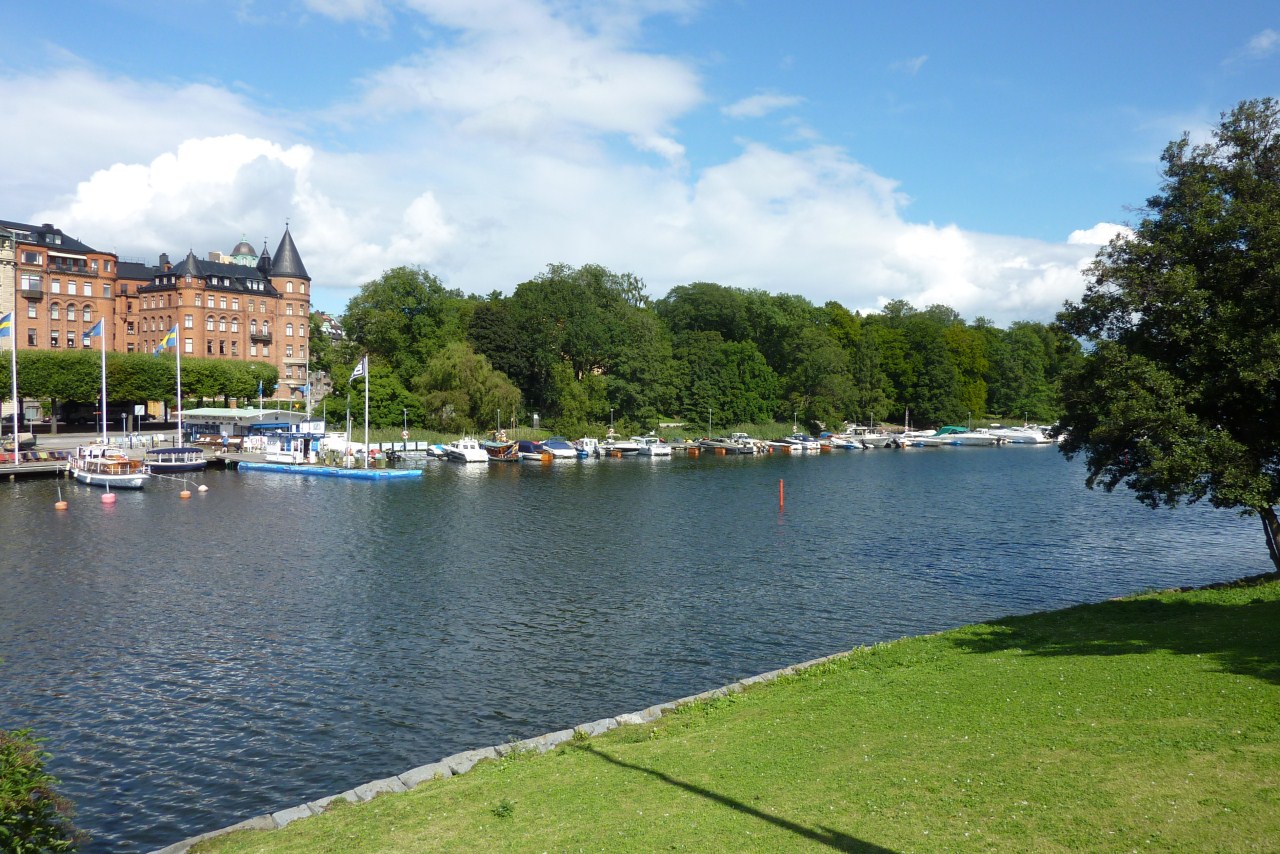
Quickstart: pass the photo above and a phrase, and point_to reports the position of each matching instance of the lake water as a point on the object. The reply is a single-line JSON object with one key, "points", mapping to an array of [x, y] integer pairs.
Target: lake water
{"points": [[279, 638]]}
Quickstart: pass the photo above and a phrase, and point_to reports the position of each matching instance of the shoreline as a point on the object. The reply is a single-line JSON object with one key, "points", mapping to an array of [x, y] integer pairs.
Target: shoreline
{"points": [[460, 763]]}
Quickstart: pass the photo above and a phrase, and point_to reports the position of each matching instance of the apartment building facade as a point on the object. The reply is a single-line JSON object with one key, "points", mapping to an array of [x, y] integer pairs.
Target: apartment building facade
{"points": [[244, 305]]}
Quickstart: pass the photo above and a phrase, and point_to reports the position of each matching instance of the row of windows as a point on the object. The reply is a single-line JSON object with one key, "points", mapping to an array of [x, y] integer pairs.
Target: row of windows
{"points": [[55, 311], [155, 301]]}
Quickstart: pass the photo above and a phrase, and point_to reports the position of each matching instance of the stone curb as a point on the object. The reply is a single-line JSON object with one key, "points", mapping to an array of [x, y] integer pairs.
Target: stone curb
{"points": [[461, 763]]}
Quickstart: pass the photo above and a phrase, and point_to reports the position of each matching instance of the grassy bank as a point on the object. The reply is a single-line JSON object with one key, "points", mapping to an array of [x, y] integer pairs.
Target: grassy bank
{"points": [[1151, 722]]}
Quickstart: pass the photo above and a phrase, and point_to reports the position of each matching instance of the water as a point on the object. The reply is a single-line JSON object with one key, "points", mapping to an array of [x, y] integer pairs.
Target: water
{"points": [[278, 639]]}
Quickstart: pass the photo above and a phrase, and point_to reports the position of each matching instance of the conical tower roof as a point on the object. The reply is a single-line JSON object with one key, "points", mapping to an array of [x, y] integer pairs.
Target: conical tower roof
{"points": [[287, 262], [264, 261], [188, 267]]}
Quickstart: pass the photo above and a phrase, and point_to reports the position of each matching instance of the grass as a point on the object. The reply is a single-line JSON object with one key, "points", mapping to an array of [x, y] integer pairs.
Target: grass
{"points": [[1151, 722]]}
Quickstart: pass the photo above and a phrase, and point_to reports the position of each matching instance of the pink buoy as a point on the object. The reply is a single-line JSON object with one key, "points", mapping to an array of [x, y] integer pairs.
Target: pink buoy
{"points": [[108, 498]]}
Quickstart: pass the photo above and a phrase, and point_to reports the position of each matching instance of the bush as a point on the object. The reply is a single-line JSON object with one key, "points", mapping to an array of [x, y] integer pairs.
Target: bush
{"points": [[33, 818]]}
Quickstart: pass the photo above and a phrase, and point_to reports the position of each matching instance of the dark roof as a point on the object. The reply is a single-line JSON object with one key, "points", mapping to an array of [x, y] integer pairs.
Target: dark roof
{"points": [[243, 248], [264, 261], [136, 271], [239, 275], [287, 262], [39, 235]]}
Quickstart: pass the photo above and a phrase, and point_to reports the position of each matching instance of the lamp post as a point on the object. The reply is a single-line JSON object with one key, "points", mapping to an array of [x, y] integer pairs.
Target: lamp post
{"points": [[405, 437]]}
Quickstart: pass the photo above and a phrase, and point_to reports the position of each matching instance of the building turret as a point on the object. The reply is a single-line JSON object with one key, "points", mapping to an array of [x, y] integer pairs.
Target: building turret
{"points": [[287, 261]]}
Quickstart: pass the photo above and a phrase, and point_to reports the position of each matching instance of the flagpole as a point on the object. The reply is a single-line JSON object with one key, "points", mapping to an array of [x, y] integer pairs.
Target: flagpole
{"points": [[177, 347], [366, 410], [103, 335], [13, 374]]}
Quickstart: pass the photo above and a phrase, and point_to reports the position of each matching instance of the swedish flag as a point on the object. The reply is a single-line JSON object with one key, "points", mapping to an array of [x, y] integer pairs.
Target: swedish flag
{"points": [[167, 341], [6, 324]]}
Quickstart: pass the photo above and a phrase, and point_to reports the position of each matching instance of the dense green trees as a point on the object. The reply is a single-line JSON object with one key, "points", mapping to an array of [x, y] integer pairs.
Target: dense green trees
{"points": [[578, 345], [1178, 396]]}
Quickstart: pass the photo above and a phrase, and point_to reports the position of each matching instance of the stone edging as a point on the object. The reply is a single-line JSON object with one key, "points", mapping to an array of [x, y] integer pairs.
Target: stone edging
{"points": [[461, 763]]}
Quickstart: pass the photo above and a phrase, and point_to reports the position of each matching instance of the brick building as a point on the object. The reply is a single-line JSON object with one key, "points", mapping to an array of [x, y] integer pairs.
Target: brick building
{"points": [[239, 306]]}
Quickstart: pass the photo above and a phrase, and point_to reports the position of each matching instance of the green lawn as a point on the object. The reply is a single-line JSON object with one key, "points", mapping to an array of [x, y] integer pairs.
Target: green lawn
{"points": [[1148, 723]]}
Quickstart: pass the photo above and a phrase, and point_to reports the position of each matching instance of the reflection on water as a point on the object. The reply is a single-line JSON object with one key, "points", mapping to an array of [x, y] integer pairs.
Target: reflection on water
{"points": [[280, 638]]}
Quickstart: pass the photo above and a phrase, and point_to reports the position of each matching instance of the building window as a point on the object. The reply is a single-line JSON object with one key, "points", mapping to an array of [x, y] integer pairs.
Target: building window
{"points": [[71, 340], [288, 287], [235, 324], [106, 289], [208, 323], [55, 287], [107, 267], [187, 345], [302, 287], [222, 302], [222, 348], [87, 313], [55, 311], [288, 330], [253, 326], [71, 311], [188, 322], [198, 299], [302, 351], [31, 338], [288, 308], [222, 324], [29, 257], [53, 338], [288, 351], [288, 372], [233, 348], [208, 347], [31, 309], [266, 351], [262, 306], [253, 349], [128, 327], [235, 303]]}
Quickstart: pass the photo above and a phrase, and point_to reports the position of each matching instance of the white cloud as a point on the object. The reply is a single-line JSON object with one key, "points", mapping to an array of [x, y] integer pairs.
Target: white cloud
{"points": [[755, 106], [1100, 235], [910, 67], [496, 160], [1261, 45]]}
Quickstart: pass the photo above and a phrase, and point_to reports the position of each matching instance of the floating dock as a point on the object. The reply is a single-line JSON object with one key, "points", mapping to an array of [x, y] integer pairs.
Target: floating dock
{"points": [[329, 471]]}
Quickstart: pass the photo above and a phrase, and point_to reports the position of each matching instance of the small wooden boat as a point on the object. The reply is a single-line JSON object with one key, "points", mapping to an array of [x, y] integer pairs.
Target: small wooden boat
{"points": [[170, 460], [107, 465], [502, 452]]}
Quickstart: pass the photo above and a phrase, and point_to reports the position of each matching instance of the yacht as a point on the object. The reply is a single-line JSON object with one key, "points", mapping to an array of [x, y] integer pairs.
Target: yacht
{"points": [[466, 450]]}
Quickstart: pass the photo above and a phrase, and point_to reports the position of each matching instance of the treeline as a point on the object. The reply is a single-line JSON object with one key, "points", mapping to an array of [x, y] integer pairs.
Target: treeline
{"points": [[584, 346], [137, 377]]}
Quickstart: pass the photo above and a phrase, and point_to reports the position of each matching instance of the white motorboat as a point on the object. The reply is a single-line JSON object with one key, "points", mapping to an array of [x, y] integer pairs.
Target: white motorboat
{"points": [[560, 448], [652, 446], [466, 450], [803, 442], [107, 465], [963, 436], [1027, 435], [869, 436]]}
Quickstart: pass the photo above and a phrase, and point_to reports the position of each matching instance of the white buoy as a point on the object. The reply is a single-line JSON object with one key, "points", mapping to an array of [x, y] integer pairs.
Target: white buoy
{"points": [[202, 488]]}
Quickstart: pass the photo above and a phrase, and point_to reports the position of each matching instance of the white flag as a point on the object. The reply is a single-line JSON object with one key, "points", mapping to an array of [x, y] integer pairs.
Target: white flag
{"points": [[361, 368]]}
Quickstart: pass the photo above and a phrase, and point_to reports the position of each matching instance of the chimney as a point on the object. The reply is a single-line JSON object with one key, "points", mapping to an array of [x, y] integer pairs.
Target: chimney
{"points": [[164, 262]]}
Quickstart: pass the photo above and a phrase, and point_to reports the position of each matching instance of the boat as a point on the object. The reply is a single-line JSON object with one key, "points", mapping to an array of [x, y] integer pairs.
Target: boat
{"points": [[466, 450], [107, 465], [720, 444], [802, 442], [560, 448], [652, 446], [587, 446], [169, 460], [611, 447], [870, 437], [502, 452], [920, 439], [963, 436], [1025, 435], [533, 451], [844, 442], [745, 443]]}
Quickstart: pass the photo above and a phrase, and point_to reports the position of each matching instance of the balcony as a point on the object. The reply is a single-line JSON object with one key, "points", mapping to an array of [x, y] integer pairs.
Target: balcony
{"points": [[70, 269], [31, 293], [260, 337]]}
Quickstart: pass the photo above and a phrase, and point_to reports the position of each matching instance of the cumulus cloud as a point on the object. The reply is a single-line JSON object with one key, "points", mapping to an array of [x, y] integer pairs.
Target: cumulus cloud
{"points": [[755, 106], [1100, 235], [499, 159], [1261, 46]]}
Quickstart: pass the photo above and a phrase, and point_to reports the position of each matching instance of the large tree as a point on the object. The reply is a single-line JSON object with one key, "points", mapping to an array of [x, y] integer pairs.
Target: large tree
{"points": [[1179, 396]]}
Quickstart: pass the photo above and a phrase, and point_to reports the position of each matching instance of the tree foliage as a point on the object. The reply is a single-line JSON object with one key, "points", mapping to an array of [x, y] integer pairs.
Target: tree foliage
{"points": [[1177, 399], [33, 818]]}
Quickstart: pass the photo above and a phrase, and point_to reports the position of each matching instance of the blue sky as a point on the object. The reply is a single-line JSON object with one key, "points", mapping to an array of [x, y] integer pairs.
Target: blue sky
{"points": [[969, 154]]}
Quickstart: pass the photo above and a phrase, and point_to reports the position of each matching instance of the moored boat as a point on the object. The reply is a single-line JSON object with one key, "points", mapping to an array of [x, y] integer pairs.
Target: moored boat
{"points": [[502, 452], [465, 450], [534, 452], [560, 448], [170, 460], [652, 446], [803, 442], [107, 465]]}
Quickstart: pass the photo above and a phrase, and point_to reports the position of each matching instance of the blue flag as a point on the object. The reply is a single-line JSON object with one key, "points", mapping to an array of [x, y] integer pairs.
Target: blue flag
{"points": [[6, 325], [96, 330]]}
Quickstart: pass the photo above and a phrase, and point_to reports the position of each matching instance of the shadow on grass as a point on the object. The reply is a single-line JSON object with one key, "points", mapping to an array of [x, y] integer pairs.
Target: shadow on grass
{"points": [[823, 836], [1243, 638]]}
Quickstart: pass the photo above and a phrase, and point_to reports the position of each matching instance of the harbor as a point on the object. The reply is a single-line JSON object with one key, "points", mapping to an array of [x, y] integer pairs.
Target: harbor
{"points": [[279, 639]]}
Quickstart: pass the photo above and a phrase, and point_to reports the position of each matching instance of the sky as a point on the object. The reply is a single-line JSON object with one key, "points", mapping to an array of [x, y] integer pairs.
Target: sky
{"points": [[970, 154]]}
